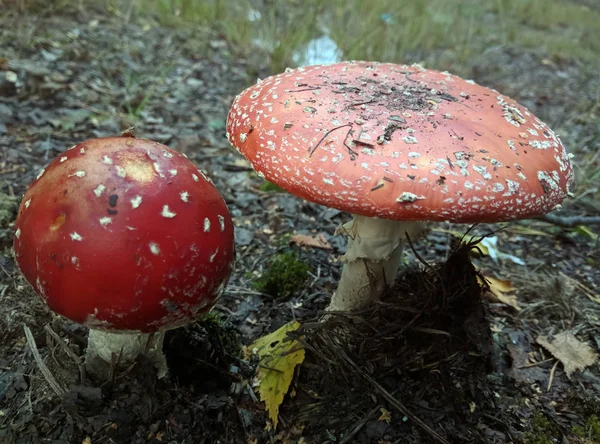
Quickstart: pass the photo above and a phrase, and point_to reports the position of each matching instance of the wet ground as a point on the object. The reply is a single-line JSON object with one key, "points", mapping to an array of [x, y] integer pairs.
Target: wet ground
{"points": [[468, 369]]}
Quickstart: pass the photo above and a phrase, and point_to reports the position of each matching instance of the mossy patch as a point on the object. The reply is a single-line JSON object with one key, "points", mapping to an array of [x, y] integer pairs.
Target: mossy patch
{"points": [[270, 187], [283, 275], [542, 431], [8, 209], [590, 430]]}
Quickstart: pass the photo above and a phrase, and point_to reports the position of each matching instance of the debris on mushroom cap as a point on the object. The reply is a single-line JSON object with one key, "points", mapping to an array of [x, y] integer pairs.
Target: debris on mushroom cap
{"points": [[400, 142], [123, 245]]}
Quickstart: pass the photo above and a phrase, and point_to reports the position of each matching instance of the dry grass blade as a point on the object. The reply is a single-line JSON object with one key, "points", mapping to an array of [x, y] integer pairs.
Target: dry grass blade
{"points": [[54, 385], [391, 399], [59, 342]]}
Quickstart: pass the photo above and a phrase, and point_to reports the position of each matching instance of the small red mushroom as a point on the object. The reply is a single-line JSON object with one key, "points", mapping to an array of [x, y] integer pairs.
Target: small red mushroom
{"points": [[127, 237], [396, 145]]}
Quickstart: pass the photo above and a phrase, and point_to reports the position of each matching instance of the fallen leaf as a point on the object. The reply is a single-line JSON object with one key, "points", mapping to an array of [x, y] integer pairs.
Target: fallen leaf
{"points": [[499, 290], [319, 241], [278, 358], [386, 415], [574, 354]]}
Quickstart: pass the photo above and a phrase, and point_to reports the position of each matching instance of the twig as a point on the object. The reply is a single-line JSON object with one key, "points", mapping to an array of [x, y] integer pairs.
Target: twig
{"points": [[59, 341], [570, 221], [552, 375], [535, 364], [359, 425], [392, 400], [54, 385]]}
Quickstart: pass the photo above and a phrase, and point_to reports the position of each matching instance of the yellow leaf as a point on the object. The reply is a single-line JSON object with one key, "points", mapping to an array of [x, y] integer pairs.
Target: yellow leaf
{"points": [[499, 290], [386, 415], [278, 357]]}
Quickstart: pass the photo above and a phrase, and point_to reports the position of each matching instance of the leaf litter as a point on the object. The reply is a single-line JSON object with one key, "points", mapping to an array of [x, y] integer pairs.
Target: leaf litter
{"points": [[570, 351]]}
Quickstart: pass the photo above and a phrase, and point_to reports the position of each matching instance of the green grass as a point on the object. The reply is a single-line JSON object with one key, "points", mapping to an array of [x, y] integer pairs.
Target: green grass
{"points": [[385, 30]]}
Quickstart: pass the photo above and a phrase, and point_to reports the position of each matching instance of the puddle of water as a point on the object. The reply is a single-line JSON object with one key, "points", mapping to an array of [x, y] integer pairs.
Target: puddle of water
{"points": [[319, 51]]}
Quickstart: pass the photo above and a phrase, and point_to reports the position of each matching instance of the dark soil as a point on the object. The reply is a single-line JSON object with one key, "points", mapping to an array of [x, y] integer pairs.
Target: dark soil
{"points": [[432, 361]]}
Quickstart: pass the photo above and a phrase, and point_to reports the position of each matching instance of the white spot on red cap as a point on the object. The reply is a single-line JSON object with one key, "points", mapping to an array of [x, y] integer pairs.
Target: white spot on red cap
{"points": [[154, 248], [27, 203], [166, 212], [107, 160], [78, 174], [212, 256], [41, 173], [221, 222], [407, 197], [63, 159], [18, 233], [76, 236], [184, 196], [104, 221], [99, 190], [206, 225], [136, 201]]}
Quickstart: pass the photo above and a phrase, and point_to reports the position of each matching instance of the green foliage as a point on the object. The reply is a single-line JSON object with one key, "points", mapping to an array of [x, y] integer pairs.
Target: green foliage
{"points": [[217, 327], [542, 431], [283, 275], [590, 430], [8, 209], [270, 187]]}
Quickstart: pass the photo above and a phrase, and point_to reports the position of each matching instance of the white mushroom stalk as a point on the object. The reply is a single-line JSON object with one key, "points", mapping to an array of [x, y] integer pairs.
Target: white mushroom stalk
{"points": [[124, 348], [372, 260]]}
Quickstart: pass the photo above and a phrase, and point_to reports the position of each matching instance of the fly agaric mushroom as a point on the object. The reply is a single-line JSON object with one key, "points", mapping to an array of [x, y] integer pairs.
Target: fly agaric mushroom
{"points": [[127, 237], [397, 145]]}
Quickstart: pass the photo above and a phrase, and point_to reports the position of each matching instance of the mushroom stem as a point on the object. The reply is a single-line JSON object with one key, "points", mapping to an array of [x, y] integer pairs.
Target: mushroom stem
{"points": [[374, 254], [125, 347]]}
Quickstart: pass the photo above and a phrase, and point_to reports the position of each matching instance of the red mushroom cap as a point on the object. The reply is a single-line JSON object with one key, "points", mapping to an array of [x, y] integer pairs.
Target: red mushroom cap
{"points": [[400, 142], [125, 234]]}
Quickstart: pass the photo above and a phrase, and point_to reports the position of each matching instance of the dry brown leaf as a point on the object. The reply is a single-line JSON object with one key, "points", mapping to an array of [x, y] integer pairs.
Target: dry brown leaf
{"points": [[319, 241], [500, 291], [386, 415], [574, 354]]}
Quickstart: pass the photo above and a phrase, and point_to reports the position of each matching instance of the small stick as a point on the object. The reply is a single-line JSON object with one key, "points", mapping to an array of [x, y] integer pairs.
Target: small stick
{"points": [[59, 341], [535, 364], [552, 375], [54, 385], [392, 400], [359, 425], [570, 221]]}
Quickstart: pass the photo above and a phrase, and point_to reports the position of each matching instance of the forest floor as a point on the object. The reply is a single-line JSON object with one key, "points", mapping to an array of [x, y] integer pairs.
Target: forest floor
{"points": [[455, 367]]}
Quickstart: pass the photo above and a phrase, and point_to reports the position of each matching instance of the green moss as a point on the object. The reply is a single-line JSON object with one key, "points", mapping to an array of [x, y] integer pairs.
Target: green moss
{"points": [[542, 431], [284, 274], [269, 187], [217, 327], [590, 430], [8, 209]]}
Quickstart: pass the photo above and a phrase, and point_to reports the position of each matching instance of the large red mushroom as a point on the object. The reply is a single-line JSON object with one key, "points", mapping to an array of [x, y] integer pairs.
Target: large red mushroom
{"points": [[397, 145], [127, 237]]}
